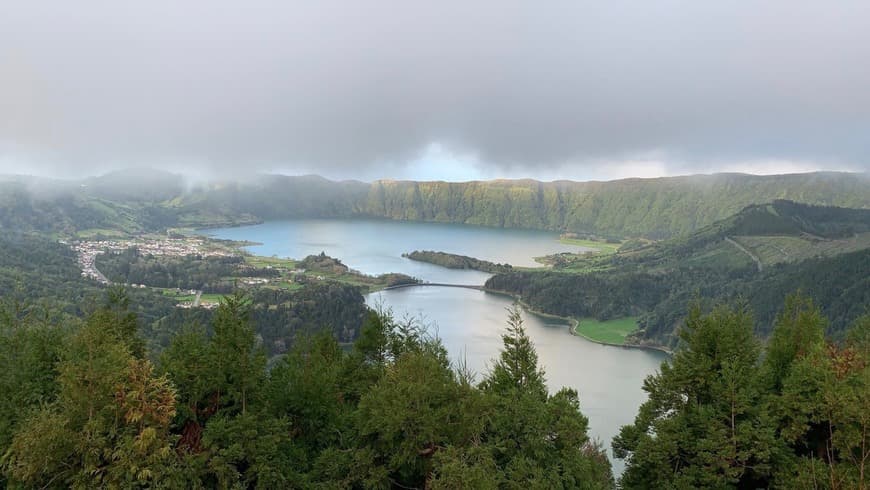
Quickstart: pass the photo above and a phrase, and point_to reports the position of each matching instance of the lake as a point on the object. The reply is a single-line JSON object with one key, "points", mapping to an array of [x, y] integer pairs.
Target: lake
{"points": [[376, 246], [468, 321]]}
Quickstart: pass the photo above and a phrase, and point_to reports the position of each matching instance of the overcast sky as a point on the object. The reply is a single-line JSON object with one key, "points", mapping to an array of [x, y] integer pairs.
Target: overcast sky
{"points": [[443, 89]]}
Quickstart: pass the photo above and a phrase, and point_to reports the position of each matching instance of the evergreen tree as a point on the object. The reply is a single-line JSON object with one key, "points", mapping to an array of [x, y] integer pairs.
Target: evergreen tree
{"points": [[306, 387], [417, 409], [517, 370], [537, 439], [798, 331], [30, 350], [109, 425], [704, 425], [115, 314], [238, 359], [825, 417], [188, 361]]}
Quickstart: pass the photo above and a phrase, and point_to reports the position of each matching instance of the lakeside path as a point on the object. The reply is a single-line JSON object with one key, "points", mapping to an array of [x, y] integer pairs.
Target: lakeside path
{"points": [[573, 323]]}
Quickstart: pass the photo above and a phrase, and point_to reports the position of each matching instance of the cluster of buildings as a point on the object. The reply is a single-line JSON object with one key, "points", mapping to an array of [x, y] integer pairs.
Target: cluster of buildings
{"points": [[254, 281], [87, 251]]}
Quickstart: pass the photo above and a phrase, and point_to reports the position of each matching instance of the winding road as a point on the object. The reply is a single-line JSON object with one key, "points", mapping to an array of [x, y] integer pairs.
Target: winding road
{"points": [[747, 252]]}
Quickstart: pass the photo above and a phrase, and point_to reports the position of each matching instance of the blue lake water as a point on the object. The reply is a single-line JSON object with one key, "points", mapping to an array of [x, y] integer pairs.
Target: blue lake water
{"points": [[376, 246], [470, 322]]}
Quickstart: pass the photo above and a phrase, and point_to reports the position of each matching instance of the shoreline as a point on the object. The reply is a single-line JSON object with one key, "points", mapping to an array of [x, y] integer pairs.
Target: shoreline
{"points": [[231, 224], [572, 322], [573, 330]]}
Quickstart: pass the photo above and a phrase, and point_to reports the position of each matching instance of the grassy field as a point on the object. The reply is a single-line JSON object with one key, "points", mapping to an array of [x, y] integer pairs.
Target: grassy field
{"points": [[601, 247], [609, 331], [776, 249], [290, 286], [210, 298], [261, 261], [181, 297], [722, 255], [92, 233]]}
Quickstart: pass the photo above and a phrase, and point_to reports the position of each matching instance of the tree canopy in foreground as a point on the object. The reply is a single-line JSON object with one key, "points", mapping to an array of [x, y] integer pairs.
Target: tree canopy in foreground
{"points": [[84, 407], [726, 414]]}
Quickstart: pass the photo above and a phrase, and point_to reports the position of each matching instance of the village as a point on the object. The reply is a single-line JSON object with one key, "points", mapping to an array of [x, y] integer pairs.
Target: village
{"points": [[290, 276], [88, 250]]}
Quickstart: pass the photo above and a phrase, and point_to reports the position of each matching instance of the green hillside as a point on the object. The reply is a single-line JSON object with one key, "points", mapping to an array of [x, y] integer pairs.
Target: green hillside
{"points": [[655, 208], [781, 231], [822, 251], [651, 208]]}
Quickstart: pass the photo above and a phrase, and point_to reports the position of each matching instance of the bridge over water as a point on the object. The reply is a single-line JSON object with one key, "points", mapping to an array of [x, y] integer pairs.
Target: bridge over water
{"points": [[440, 284]]}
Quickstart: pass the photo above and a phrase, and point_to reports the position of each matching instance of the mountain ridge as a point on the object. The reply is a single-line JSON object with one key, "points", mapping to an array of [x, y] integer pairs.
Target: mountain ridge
{"points": [[652, 208]]}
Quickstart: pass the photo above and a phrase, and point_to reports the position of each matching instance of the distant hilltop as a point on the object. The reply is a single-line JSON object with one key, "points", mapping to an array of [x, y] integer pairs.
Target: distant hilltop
{"points": [[651, 208]]}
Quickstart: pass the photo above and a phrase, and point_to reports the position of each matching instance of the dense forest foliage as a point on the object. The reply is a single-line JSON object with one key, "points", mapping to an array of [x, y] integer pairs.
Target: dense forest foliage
{"points": [[214, 274], [280, 318], [35, 269], [43, 273], [726, 413], [656, 281], [841, 285], [654, 208], [602, 296], [778, 218], [83, 407], [455, 261]]}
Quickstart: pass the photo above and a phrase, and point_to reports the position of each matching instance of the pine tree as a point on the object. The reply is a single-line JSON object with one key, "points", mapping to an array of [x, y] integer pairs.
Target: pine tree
{"points": [[799, 331], [109, 425], [516, 370], [537, 439], [235, 354], [825, 417], [704, 424], [30, 350]]}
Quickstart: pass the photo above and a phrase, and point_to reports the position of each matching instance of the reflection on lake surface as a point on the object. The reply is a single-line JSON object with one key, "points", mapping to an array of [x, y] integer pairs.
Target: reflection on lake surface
{"points": [[376, 246], [468, 321], [470, 324]]}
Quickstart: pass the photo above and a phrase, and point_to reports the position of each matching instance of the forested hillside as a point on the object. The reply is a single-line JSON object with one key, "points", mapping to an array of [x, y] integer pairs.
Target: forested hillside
{"points": [[828, 259], [653, 208], [455, 261], [65, 209], [840, 285], [41, 275]]}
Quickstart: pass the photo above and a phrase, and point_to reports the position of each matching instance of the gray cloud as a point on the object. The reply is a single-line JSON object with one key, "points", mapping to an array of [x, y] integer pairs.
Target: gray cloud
{"points": [[362, 88]]}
